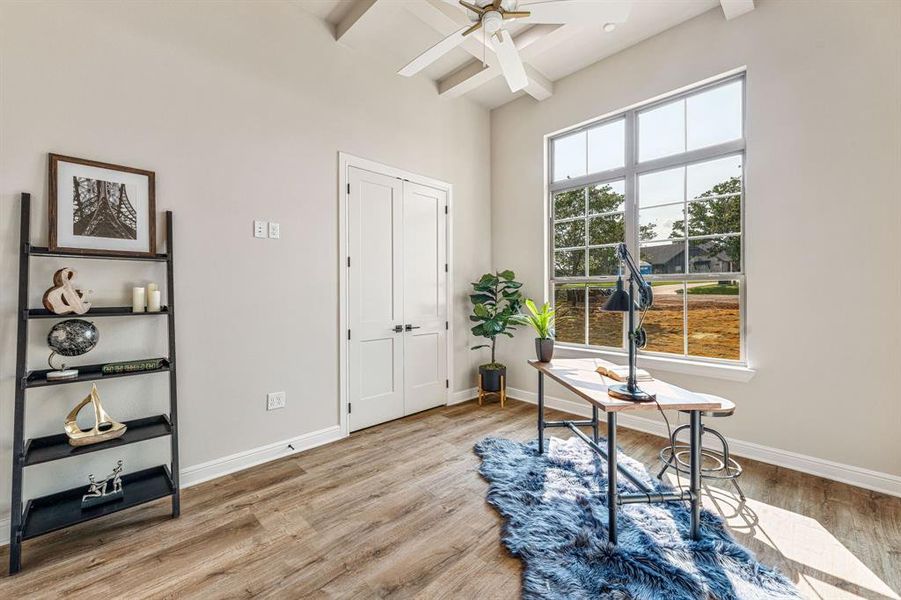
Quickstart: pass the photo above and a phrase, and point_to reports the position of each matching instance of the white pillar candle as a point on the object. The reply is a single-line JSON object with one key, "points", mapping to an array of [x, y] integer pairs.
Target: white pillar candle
{"points": [[137, 299], [153, 300], [151, 287]]}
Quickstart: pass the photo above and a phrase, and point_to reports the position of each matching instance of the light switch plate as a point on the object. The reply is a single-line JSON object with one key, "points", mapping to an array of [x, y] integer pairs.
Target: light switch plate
{"points": [[259, 229], [273, 230], [275, 400]]}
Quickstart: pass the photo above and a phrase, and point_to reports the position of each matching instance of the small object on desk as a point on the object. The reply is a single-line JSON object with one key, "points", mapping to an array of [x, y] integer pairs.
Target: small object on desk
{"points": [[621, 373], [133, 366], [63, 298], [104, 427], [107, 490], [137, 299]]}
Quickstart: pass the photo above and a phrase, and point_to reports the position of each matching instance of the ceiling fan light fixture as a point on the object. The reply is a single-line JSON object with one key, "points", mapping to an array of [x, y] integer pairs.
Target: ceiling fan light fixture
{"points": [[608, 27], [492, 21]]}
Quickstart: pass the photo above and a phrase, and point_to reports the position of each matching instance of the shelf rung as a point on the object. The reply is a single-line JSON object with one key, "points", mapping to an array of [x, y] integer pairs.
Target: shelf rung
{"points": [[85, 373], [63, 509], [102, 311], [44, 251], [56, 447]]}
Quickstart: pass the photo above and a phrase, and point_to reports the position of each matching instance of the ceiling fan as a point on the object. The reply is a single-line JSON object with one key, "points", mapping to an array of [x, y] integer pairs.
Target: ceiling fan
{"points": [[490, 15]]}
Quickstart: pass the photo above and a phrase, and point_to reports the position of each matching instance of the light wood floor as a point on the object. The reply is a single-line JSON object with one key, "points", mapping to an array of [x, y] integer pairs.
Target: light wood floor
{"points": [[398, 510]]}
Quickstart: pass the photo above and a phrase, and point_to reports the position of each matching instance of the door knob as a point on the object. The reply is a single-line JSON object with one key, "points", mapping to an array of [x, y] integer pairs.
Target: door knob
{"points": [[398, 328], [411, 327]]}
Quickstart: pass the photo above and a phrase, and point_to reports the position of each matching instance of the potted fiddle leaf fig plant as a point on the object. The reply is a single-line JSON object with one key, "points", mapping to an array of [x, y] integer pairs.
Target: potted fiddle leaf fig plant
{"points": [[542, 321], [496, 303]]}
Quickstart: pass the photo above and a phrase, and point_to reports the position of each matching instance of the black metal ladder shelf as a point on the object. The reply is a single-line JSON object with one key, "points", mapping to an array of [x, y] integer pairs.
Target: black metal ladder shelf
{"points": [[63, 509]]}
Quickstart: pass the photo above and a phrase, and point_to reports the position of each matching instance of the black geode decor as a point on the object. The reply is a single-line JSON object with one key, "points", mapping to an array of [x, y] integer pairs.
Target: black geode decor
{"points": [[73, 337]]}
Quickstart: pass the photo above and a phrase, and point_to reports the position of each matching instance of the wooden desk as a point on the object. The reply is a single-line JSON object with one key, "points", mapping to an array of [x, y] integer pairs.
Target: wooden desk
{"points": [[579, 376]]}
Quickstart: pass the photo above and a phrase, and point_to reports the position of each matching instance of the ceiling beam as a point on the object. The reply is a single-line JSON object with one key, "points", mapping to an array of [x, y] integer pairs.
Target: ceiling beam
{"points": [[353, 16], [736, 8], [540, 87], [538, 39], [470, 76]]}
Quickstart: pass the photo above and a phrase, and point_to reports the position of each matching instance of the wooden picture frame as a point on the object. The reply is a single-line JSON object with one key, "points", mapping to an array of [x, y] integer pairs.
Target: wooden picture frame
{"points": [[128, 229]]}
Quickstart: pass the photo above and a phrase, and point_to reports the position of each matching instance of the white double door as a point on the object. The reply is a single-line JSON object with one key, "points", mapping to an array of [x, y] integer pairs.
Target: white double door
{"points": [[397, 301]]}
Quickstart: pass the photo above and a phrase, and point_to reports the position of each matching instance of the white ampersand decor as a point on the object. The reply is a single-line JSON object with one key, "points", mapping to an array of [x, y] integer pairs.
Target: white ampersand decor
{"points": [[63, 298]]}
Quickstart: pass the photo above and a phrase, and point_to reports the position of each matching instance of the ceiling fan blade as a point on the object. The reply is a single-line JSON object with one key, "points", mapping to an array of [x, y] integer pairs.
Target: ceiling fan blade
{"points": [[511, 63], [576, 11], [435, 52]]}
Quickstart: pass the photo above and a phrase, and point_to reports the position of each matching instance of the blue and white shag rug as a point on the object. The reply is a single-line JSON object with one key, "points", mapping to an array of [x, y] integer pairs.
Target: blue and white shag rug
{"points": [[556, 523]]}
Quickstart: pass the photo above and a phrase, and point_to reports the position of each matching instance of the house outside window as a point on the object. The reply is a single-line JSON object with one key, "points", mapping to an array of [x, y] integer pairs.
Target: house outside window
{"points": [[668, 180]]}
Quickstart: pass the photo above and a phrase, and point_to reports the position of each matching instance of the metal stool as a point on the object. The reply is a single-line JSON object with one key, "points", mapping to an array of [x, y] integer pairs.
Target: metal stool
{"points": [[724, 466]]}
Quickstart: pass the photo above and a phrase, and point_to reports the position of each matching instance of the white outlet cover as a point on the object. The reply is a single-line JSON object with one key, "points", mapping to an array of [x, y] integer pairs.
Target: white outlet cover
{"points": [[259, 229], [275, 400], [273, 230]]}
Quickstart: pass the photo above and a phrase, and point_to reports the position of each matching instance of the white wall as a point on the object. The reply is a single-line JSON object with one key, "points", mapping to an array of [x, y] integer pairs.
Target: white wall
{"points": [[822, 212], [241, 110]]}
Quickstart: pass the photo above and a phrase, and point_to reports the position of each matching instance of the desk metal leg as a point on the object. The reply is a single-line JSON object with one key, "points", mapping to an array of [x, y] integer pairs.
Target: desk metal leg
{"points": [[611, 476], [594, 422], [540, 412], [695, 483]]}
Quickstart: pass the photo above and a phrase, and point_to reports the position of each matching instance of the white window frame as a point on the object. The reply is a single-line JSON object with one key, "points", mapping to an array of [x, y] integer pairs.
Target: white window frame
{"points": [[630, 173]]}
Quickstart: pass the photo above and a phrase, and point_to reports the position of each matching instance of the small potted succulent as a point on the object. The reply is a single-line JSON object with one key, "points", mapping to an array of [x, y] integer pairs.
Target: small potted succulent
{"points": [[496, 302], [542, 321]]}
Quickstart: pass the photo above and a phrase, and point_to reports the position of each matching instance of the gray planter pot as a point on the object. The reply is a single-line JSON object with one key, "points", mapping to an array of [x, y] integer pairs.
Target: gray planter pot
{"points": [[491, 378], [544, 348]]}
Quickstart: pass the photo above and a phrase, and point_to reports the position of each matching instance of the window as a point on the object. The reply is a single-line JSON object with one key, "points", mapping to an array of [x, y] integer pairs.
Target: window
{"points": [[668, 180]]}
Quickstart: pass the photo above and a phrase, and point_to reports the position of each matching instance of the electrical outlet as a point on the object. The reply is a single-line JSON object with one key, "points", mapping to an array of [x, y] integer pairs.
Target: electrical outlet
{"points": [[273, 230], [259, 229], [275, 400]]}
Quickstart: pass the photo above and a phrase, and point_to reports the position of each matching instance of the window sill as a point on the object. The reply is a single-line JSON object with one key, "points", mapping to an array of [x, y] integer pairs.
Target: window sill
{"points": [[740, 373]]}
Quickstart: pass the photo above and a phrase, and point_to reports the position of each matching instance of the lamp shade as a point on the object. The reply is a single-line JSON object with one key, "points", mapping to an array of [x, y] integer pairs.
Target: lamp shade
{"points": [[619, 300]]}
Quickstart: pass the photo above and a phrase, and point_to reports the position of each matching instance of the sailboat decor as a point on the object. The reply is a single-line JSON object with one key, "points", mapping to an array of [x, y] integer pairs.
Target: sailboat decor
{"points": [[105, 428]]}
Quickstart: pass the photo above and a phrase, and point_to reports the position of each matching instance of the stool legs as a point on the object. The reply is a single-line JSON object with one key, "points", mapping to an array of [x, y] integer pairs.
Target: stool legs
{"points": [[741, 494]]}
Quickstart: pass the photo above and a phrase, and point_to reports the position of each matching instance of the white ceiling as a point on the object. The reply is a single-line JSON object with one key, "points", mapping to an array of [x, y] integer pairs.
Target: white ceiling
{"points": [[396, 31]]}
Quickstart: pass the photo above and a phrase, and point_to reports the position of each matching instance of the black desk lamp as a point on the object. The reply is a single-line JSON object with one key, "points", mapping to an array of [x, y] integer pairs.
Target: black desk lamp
{"points": [[620, 301]]}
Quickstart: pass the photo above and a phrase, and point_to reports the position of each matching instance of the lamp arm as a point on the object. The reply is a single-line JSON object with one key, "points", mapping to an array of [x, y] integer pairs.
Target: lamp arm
{"points": [[644, 288]]}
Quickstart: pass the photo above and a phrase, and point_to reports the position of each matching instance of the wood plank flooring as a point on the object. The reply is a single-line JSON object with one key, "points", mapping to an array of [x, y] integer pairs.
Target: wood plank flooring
{"points": [[398, 511]]}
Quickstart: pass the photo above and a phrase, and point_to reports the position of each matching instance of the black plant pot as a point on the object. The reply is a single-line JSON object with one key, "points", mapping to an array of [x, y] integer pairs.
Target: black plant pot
{"points": [[544, 347], [491, 378]]}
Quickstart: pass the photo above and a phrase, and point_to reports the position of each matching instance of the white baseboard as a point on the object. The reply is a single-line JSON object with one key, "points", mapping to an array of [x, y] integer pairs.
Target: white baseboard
{"points": [[255, 456], [237, 462], [463, 396], [856, 476]]}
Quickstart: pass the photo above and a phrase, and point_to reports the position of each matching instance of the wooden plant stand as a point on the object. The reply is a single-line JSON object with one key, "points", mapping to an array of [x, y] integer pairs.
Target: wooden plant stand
{"points": [[502, 394]]}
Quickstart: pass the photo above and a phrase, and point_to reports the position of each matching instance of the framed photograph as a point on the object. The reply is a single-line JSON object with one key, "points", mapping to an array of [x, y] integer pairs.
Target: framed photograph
{"points": [[99, 208]]}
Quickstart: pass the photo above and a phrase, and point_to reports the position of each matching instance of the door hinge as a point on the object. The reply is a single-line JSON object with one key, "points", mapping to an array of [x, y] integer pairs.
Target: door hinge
{"points": [[445, 267], [445, 209], [350, 407], [446, 326], [348, 188], [348, 261], [447, 383], [348, 334]]}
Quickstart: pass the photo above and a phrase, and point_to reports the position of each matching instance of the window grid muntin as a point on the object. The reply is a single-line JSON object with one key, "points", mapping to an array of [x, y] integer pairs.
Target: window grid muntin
{"points": [[630, 173]]}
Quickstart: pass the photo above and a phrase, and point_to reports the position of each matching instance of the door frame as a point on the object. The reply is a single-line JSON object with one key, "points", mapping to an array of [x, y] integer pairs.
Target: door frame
{"points": [[345, 161]]}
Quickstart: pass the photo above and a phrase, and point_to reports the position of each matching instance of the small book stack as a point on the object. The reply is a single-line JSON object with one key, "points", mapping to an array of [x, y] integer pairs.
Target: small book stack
{"points": [[621, 373]]}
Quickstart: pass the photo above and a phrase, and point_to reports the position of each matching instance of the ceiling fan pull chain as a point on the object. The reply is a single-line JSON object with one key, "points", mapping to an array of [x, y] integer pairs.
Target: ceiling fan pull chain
{"points": [[484, 48]]}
